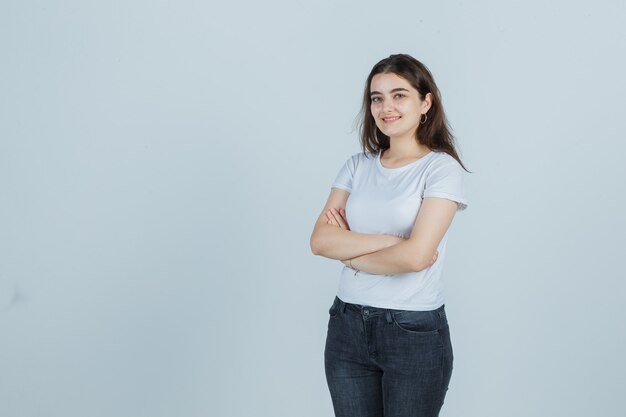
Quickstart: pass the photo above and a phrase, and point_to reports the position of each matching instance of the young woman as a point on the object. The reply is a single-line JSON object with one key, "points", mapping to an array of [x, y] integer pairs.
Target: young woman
{"points": [[388, 350]]}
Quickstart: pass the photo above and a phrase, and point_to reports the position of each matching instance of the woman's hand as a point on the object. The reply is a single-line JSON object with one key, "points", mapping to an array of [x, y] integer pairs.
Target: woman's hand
{"points": [[346, 262], [434, 259], [337, 218]]}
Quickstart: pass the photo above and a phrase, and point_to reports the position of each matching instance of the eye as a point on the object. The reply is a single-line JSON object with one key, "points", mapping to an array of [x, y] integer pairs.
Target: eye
{"points": [[375, 99], [400, 95]]}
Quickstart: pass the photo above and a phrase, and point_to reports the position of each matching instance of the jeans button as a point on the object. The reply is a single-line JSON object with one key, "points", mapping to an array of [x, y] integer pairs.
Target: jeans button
{"points": [[366, 311]]}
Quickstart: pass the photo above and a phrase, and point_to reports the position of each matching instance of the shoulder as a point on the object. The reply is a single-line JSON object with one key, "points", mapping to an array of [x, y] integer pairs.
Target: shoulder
{"points": [[443, 160], [361, 157]]}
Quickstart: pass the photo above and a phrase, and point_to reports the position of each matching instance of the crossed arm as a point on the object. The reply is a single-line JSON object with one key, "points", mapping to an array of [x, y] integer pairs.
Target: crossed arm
{"points": [[382, 254]]}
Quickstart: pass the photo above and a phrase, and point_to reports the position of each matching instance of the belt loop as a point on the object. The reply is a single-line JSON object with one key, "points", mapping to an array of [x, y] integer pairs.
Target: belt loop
{"points": [[442, 314], [343, 306], [388, 316]]}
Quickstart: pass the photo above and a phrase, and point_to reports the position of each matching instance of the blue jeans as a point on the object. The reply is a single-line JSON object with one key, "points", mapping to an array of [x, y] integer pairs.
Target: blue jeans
{"points": [[384, 362]]}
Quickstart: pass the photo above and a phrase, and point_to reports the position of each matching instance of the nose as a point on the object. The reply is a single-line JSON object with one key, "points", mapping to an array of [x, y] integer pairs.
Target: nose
{"points": [[387, 106]]}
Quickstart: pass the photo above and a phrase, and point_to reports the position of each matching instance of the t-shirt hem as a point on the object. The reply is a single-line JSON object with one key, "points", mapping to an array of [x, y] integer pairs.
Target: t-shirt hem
{"points": [[343, 187], [462, 202], [390, 306]]}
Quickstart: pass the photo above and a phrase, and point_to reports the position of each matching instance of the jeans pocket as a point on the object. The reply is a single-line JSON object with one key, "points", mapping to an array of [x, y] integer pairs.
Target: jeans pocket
{"points": [[416, 322]]}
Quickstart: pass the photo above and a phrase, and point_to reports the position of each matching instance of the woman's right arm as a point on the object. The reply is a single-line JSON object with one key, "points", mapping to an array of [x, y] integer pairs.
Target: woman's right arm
{"points": [[335, 242]]}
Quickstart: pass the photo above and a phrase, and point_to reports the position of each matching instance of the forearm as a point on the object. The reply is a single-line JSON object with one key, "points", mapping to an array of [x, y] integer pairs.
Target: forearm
{"points": [[336, 243], [396, 259]]}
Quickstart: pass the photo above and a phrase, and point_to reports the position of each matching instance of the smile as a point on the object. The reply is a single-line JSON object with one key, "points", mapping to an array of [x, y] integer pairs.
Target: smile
{"points": [[391, 119]]}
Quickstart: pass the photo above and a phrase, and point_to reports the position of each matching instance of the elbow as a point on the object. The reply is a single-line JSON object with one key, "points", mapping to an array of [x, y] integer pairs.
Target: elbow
{"points": [[315, 245], [418, 266], [315, 250], [420, 263]]}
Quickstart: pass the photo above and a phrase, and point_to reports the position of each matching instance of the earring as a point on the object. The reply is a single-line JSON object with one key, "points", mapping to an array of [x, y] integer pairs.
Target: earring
{"points": [[425, 118]]}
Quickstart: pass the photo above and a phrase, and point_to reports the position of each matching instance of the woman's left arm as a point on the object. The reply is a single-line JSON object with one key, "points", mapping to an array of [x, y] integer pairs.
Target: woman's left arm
{"points": [[416, 253]]}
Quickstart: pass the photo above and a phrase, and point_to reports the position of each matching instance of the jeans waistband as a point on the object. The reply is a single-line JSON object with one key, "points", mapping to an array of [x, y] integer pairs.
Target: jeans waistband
{"points": [[366, 310]]}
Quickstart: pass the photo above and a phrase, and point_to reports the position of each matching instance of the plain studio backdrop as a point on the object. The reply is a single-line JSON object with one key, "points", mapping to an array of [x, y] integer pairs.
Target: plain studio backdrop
{"points": [[162, 165]]}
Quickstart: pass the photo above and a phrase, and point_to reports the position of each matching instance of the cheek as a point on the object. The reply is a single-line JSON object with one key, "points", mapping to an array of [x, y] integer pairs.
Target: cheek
{"points": [[411, 107], [375, 112]]}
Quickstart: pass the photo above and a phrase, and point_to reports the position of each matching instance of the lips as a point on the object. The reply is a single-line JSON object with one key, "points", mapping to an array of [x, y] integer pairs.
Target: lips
{"points": [[391, 119]]}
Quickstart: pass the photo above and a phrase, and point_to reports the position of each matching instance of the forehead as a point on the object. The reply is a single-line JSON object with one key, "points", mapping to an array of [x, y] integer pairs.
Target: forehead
{"points": [[386, 82]]}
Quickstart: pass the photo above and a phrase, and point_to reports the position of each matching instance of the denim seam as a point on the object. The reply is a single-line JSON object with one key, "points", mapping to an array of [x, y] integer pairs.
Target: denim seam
{"points": [[427, 333]]}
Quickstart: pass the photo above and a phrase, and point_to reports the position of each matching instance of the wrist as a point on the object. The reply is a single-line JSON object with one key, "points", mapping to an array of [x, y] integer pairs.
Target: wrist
{"points": [[351, 267], [394, 240]]}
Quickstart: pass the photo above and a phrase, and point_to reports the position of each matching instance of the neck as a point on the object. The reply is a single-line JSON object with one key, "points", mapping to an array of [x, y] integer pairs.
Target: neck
{"points": [[405, 148]]}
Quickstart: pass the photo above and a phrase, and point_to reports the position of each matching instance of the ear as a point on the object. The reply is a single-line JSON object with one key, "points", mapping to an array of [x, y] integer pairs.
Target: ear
{"points": [[427, 102]]}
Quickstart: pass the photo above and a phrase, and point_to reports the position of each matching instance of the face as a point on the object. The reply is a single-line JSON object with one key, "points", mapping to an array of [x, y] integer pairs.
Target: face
{"points": [[396, 105]]}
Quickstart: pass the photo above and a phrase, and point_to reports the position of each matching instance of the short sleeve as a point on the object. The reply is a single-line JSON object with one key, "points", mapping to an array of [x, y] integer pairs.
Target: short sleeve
{"points": [[446, 180], [345, 176]]}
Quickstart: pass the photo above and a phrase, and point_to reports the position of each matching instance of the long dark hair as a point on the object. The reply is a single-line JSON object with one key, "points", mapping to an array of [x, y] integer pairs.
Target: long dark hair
{"points": [[434, 133]]}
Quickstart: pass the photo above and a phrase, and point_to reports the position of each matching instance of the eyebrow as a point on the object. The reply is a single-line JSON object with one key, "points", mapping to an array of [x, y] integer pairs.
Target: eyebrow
{"points": [[392, 91]]}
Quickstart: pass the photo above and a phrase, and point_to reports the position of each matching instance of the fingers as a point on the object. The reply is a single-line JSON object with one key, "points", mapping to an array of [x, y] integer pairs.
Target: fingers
{"points": [[435, 256], [342, 213], [336, 218], [340, 219], [333, 219]]}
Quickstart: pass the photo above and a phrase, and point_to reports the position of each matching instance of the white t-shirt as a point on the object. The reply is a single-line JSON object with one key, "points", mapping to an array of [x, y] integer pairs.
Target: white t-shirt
{"points": [[386, 201]]}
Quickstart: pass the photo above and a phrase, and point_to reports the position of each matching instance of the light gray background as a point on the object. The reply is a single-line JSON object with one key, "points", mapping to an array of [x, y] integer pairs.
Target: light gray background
{"points": [[162, 165]]}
